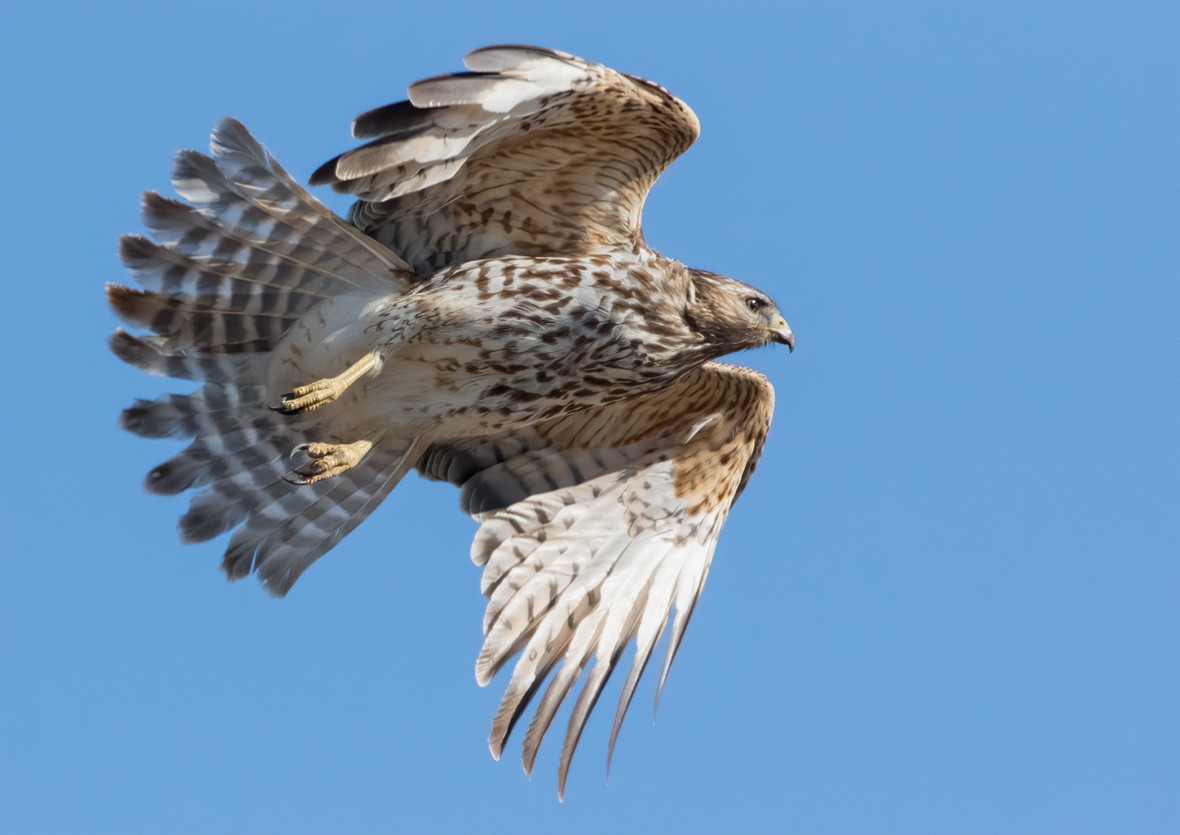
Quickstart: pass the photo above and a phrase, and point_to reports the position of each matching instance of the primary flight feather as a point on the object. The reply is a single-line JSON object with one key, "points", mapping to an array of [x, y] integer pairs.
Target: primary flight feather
{"points": [[490, 316]]}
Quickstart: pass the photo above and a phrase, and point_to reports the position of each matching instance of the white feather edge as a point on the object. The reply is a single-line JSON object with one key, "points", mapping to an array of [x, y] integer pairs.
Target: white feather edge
{"points": [[626, 589]]}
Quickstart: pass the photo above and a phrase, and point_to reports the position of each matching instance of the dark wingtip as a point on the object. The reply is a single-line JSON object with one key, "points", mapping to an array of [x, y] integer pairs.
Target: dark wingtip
{"points": [[130, 349], [200, 524], [237, 562], [127, 303], [133, 417], [325, 175], [134, 248], [386, 119]]}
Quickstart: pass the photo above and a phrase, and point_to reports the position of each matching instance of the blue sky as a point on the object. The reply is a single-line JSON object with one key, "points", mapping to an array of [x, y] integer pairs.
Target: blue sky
{"points": [[948, 600]]}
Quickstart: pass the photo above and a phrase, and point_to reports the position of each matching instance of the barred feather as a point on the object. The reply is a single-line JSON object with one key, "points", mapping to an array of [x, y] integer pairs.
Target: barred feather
{"points": [[244, 189], [288, 530], [185, 415], [596, 527], [152, 354], [206, 323], [166, 271], [206, 458], [533, 151], [224, 280]]}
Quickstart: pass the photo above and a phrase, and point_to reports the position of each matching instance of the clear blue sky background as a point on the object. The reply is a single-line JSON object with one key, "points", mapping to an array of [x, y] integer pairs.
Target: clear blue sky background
{"points": [[948, 601]]}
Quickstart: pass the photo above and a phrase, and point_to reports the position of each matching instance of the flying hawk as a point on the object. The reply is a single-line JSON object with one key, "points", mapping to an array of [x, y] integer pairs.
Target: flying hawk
{"points": [[489, 316]]}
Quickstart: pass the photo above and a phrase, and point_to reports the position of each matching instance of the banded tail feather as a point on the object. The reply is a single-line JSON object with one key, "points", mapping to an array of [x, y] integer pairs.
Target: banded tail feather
{"points": [[223, 280]]}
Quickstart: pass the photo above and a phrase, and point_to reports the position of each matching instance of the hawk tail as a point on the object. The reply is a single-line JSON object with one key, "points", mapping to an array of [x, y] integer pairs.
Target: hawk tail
{"points": [[242, 469], [223, 277], [289, 527]]}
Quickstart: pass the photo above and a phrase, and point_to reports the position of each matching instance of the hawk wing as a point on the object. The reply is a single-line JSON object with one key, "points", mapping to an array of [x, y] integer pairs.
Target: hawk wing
{"points": [[595, 526], [532, 152]]}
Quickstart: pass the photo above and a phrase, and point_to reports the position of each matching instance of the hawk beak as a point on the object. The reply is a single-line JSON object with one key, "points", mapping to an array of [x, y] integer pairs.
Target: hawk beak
{"points": [[782, 335]]}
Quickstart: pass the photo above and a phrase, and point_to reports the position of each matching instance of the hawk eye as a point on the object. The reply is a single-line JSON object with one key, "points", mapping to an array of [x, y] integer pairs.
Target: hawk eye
{"points": [[756, 303]]}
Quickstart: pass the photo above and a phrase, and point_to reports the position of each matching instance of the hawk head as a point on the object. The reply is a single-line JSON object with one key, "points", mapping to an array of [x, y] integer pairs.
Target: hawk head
{"points": [[731, 315]]}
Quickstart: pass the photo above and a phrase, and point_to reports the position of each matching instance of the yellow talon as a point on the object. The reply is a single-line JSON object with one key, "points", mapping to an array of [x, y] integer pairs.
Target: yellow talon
{"points": [[328, 460], [321, 392]]}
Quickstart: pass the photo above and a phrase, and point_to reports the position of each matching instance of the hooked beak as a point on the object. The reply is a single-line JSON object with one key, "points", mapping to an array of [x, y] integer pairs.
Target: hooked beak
{"points": [[781, 334]]}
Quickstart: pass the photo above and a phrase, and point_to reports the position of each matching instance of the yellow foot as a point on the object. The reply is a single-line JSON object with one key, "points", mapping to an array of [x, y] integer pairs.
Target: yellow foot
{"points": [[313, 395], [327, 460]]}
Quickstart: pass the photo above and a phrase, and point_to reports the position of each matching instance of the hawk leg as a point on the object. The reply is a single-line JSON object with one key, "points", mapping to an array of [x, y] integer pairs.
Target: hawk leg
{"points": [[327, 460], [321, 392]]}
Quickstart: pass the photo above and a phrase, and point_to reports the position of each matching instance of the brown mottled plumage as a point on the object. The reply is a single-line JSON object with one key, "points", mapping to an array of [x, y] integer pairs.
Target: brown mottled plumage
{"points": [[491, 317]]}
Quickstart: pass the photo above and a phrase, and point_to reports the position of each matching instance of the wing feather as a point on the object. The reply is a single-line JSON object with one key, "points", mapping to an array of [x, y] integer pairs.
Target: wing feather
{"points": [[597, 531], [532, 151]]}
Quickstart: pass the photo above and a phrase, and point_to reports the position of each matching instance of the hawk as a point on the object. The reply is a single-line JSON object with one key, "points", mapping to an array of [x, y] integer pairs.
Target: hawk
{"points": [[490, 316]]}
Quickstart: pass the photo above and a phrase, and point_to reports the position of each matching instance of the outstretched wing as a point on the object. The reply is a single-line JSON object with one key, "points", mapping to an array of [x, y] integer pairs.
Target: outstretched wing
{"points": [[532, 152], [595, 526]]}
